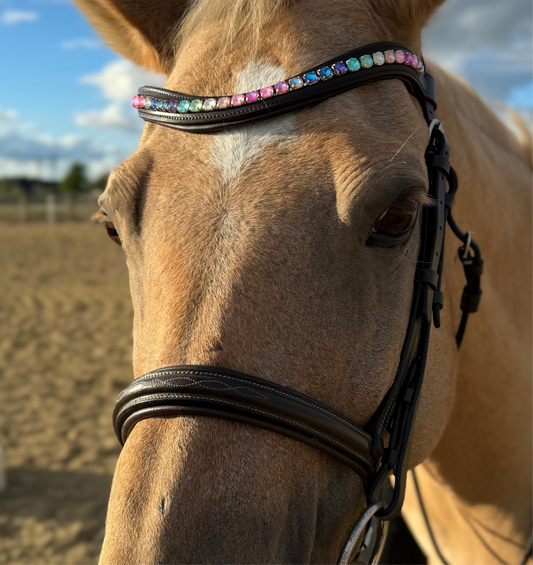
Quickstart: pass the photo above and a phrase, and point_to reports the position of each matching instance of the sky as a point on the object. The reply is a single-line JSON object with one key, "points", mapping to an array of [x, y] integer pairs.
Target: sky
{"points": [[65, 96]]}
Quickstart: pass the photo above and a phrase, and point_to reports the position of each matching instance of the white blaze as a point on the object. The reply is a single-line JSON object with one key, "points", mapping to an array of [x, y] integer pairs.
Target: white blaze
{"points": [[235, 148]]}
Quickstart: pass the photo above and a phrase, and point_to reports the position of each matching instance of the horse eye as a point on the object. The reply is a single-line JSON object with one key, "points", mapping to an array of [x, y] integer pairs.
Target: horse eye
{"points": [[111, 231], [397, 219], [394, 226]]}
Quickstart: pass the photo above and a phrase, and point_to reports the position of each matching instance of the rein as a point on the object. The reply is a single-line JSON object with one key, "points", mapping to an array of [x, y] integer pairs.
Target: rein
{"points": [[380, 449]]}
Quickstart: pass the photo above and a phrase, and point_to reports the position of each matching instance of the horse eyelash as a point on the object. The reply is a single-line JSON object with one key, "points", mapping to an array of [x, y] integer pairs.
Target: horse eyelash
{"points": [[99, 217]]}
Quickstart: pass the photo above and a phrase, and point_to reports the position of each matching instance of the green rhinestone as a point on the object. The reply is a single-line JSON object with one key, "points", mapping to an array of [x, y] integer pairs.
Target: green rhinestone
{"points": [[183, 106], [196, 106], [353, 64], [366, 61]]}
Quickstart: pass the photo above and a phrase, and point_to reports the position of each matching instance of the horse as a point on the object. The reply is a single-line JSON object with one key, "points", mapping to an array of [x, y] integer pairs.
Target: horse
{"points": [[248, 249]]}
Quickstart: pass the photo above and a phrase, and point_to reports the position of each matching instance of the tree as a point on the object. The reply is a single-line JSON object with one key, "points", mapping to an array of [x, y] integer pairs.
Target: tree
{"points": [[75, 181]]}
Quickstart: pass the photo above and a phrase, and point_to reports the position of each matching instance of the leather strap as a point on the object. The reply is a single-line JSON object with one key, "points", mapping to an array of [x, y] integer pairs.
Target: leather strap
{"points": [[422, 86], [222, 393]]}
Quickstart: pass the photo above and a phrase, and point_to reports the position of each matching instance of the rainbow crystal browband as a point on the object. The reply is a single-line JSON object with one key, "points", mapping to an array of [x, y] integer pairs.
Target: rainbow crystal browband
{"points": [[200, 113]]}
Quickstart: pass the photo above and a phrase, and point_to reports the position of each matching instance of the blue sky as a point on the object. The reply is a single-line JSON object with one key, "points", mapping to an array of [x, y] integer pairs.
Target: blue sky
{"points": [[65, 95]]}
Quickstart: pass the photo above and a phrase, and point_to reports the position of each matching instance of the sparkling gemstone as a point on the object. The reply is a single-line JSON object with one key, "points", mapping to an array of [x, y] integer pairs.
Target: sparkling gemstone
{"points": [[414, 62], [134, 101], [339, 68], [238, 100], [399, 56], [153, 103], [353, 64], [172, 106], [162, 105], [282, 87], [223, 103], [209, 104], [325, 73], [267, 92], [183, 106], [366, 61], [252, 96], [378, 58], [408, 58], [147, 102], [296, 83], [195, 105], [311, 78], [420, 67], [389, 57], [140, 101]]}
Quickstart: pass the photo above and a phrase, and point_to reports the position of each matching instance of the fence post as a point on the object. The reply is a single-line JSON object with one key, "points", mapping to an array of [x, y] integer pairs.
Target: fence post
{"points": [[23, 208], [51, 208]]}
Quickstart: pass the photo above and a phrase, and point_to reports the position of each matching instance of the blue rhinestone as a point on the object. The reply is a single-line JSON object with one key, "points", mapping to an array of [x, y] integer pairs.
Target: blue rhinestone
{"points": [[311, 78], [153, 103], [340, 68], [325, 73], [296, 83], [162, 105], [172, 106], [353, 64], [183, 106]]}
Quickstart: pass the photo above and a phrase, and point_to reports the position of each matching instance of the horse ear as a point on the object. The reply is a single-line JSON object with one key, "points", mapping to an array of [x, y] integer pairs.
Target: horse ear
{"points": [[412, 15], [136, 29]]}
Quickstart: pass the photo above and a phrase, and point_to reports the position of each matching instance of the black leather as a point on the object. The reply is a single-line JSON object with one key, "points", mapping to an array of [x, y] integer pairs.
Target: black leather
{"points": [[221, 393], [421, 86]]}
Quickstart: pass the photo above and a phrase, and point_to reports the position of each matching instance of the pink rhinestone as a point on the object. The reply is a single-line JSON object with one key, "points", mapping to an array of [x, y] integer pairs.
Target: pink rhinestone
{"points": [[267, 92], [140, 102], [135, 101], [223, 103], [414, 62], [282, 87], [252, 96], [389, 57], [400, 55], [408, 58], [238, 100]]}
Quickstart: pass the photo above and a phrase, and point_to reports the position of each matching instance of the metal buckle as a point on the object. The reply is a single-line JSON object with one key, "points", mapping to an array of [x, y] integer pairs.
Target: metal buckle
{"points": [[434, 124], [351, 547], [467, 245]]}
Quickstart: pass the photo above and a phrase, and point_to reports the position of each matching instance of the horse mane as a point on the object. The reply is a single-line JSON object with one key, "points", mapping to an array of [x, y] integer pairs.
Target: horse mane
{"points": [[242, 19]]}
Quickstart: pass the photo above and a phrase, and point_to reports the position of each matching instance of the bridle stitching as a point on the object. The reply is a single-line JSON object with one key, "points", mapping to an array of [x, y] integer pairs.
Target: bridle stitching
{"points": [[208, 374], [229, 403]]}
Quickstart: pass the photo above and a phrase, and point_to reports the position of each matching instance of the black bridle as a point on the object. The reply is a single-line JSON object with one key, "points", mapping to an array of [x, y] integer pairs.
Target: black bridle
{"points": [[380, 449]]}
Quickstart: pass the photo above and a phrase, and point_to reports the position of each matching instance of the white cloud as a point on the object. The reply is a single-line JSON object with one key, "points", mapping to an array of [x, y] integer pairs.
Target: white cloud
{"points": [[24, 150], [118, 82], [80, 43], [487, 42], [12, 17], [112, 117]]}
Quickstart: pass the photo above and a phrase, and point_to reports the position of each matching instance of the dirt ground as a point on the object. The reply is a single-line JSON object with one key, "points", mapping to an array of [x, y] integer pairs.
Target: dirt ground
{"points": [[65, 354]]}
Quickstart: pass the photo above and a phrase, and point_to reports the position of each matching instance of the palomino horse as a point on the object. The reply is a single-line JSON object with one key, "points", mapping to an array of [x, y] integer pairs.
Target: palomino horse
{"points": [[247, 249]]}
